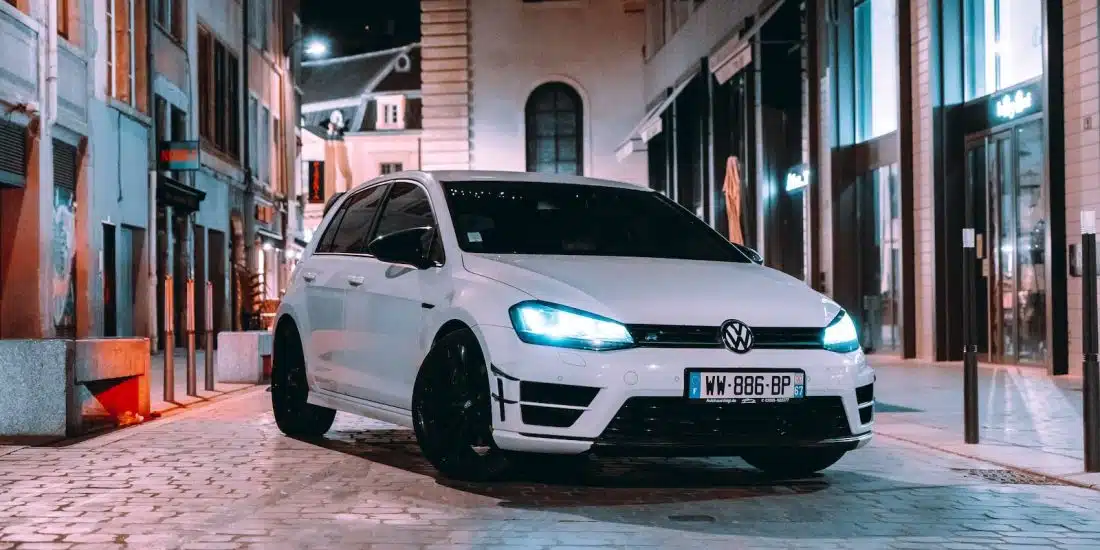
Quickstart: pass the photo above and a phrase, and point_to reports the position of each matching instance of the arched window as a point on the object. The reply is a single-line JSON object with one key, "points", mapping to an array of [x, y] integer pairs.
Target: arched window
{"points": [[555, 132]]}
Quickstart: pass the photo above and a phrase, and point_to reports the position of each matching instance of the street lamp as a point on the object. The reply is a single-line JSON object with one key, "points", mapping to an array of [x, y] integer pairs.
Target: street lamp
{"points": [[316, 48]]}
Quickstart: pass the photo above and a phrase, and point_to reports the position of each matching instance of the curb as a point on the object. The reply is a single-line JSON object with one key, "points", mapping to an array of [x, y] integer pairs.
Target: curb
{"points": [[167, 417], [1032, 471]]}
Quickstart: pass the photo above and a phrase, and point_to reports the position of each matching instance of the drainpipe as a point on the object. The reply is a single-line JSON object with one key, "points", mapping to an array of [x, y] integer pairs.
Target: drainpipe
{"points": [[151, 234], [249, 213], [50, 107]]}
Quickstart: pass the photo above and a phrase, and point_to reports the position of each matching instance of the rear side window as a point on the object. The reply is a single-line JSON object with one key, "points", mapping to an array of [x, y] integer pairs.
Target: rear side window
{"points": [[350, 228]]}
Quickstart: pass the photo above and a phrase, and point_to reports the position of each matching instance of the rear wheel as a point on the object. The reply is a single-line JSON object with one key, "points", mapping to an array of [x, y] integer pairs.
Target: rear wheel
{"points": [[792, 463], [289, 389], [452, 411]]}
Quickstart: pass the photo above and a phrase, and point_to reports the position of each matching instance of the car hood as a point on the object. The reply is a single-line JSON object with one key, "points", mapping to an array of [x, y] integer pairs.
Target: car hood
{"points": [[660, 291]]}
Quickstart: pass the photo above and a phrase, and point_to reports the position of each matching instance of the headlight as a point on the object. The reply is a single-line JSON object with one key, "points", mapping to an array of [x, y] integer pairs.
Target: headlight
{"points": [[553, 325], [841, 336]]}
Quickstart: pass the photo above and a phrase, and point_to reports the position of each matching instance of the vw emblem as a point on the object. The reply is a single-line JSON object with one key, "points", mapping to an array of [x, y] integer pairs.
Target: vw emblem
{"points": [[736, 336]]}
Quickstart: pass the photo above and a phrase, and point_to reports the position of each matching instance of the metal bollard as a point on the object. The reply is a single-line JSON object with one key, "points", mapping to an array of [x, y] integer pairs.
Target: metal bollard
{"points": [[970, 348], [1091, 390], [169, 342], [192, 386], [209, 340]]}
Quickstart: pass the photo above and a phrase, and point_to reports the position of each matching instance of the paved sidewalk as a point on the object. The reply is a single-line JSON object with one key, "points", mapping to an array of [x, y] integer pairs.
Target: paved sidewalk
{"points": [[156, 382], [1029, 420]]}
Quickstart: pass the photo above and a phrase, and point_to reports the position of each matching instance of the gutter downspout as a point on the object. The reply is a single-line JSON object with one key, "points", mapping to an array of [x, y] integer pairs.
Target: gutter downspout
{"points": [[249, 214], [151, 234]]}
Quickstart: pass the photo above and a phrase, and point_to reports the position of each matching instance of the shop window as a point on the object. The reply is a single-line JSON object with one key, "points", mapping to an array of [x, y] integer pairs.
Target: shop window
{"points": [[390, 167], [876, 68], [554, 121], [1004, 44]]}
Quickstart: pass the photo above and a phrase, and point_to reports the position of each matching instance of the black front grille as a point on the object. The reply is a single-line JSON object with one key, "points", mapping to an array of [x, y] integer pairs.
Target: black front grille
{"points": [[680, 421], [686, 336], [549, 416], [556, 394]]}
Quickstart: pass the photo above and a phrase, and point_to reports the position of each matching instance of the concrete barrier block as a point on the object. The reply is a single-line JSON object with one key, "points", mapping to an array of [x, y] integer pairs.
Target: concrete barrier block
{"points": [[38, 387], [112, 373], [240, 358]]}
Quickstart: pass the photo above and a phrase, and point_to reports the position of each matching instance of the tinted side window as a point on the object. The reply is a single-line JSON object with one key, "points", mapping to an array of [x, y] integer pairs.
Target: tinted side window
{"points": [[407, 207], [352, 224]]}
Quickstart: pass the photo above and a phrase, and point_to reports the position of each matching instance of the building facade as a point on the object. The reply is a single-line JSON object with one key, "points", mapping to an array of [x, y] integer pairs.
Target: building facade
{"points": [[145, 98], [852, 142], [361, 118], [531, 85]]}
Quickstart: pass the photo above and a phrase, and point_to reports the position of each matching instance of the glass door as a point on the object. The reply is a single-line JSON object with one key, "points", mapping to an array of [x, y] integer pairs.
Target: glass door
{"points": [[1005, 202], [879, 212]]}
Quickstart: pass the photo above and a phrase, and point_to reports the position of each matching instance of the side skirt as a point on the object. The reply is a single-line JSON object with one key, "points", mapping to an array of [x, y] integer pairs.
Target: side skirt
{"points": [[343, 403]]}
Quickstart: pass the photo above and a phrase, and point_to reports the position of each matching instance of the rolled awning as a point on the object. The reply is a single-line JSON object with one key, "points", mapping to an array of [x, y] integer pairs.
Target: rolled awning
{"points": [[651, 124]]}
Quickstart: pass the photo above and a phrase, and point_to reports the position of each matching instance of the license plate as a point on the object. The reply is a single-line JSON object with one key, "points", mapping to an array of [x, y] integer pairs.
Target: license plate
{"points": [[737, 386]]}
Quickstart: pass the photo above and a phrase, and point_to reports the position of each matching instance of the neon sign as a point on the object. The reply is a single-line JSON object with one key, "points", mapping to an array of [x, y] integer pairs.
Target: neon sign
{"points": [[1013, 104]]}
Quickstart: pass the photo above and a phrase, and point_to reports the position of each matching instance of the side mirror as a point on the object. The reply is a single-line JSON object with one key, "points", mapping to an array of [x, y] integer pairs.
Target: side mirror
{"points": [[752, 254], [409, 246]]}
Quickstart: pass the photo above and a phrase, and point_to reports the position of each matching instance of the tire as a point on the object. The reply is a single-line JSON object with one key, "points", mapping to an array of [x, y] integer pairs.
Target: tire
{"points": [[792, 463], [289, 390], [452, 411]]}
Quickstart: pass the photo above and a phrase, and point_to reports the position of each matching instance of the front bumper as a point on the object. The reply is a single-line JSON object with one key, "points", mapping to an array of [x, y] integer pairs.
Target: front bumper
{"points": [[631, 402]]}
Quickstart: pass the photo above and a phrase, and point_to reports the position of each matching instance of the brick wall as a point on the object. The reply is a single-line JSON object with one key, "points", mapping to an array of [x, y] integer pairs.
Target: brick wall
{"points": [[923, 181], [445, 84], [1082, 149]]}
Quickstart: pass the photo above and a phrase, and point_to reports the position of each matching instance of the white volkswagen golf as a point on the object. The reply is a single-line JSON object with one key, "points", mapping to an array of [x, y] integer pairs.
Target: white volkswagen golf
{"points": [[509, 316]]}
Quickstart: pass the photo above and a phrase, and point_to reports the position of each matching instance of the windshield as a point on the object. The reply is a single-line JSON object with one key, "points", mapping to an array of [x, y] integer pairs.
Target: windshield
{"points": [[501, 217]]}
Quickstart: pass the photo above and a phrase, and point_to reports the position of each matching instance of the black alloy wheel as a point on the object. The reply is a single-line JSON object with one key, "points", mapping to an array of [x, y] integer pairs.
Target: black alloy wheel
{"points": [[452, 411], [289, 389]]}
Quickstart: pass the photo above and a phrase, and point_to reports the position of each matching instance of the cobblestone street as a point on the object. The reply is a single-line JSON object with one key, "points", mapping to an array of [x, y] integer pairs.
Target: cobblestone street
{"points": [[222, 476]]}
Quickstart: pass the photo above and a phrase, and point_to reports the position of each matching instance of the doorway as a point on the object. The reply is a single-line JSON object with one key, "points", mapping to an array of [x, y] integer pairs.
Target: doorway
{"points": [[878, 255], [1006, 204]]}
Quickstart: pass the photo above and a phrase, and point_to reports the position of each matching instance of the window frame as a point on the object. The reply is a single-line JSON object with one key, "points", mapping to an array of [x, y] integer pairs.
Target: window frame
{"points": [[530, 129], [338, 216], [383, 105], [338, 212], [437, 252], [170, 20], [219, 84]]}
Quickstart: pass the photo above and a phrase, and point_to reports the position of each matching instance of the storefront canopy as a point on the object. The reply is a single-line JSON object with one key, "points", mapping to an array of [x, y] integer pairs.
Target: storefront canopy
{"points": [[650, 125]]}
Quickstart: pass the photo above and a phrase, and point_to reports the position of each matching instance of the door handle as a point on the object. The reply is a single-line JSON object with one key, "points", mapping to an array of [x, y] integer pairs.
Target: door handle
{"points": [[309, 276], [355, 280]]}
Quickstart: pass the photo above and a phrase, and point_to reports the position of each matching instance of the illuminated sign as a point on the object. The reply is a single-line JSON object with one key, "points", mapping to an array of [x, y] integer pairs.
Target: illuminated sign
{"points": [[179, 155], [316, 182], [797, 178], [1013, 104]]}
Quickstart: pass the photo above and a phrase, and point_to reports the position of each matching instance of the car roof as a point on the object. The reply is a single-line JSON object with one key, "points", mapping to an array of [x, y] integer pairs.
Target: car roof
{"points": [[532, 177]]}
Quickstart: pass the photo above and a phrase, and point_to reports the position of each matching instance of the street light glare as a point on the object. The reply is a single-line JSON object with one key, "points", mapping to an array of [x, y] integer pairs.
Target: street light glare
{"points": [[316, 48]]}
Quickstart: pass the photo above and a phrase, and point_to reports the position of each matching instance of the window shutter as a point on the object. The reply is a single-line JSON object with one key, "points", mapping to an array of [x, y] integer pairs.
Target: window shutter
{"points": [[64, 165], [13, 153]]}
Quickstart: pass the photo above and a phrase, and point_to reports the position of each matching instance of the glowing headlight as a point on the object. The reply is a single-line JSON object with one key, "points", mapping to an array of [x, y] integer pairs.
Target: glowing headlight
{"points": [[553, 325], [841, 336]]}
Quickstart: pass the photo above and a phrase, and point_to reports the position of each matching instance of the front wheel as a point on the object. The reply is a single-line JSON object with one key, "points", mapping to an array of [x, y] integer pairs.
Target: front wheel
{"points": [[289, 389], [792, 463], [452, 411]]}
